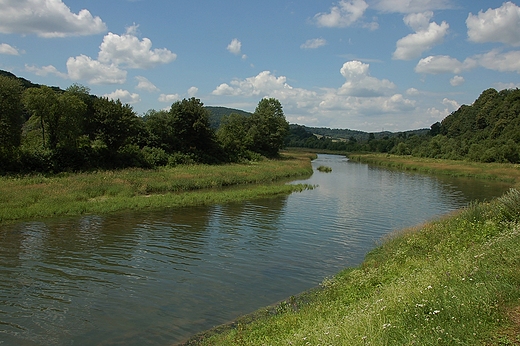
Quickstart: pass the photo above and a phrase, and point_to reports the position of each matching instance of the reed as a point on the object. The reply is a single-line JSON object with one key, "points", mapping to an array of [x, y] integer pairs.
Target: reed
{"points": [[453, 281], [29, 197]]}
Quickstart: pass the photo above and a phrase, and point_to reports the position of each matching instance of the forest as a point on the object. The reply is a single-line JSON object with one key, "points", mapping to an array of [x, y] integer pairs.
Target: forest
{"points": [[486, 131], [49, 130]]}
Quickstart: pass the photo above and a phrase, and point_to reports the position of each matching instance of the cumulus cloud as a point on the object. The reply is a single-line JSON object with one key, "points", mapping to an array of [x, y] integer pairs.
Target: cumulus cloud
{"points": [[235, 46], [169, 98], [496, 25], [344, 14], [45, 71], [266, 84], [452, 105], [361, 96], [46, 18], [497, 61], [444, 64], [314, 43], [118, 52], [145, 84], [124, 96], [85, 68], [457, 80], [193, 91], [8, 49], [411, 6], [127, 50], [502, 86], [426, 36], [360, 83]]}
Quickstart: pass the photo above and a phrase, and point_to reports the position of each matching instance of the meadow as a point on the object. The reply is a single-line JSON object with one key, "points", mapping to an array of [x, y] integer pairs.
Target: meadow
{"points": [[65, 194], [450, 281]]}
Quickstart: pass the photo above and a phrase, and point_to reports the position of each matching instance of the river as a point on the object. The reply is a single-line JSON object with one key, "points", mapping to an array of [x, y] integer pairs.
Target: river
{"points": [[158, 277]]}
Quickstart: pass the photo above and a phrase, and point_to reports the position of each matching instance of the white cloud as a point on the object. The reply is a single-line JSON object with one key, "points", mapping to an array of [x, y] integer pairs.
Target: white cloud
{"points": [[444, 64], [85, 68], [129, 51], [8, 49], [46, 18], [235, 46], [169, 98], [451, 105], [360, 83], [193, 91], [124, 96], [145, 84], [344, 14], [412, 92], [411, 6], [496, 25], [503, 62], [314, 43], [457, 80], [502, 86], [361, 96], [427, 35], [45, 71]]}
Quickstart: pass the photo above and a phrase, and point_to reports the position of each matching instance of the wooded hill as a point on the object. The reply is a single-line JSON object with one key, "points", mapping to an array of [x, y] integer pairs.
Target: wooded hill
{"points": [[486, 131]]}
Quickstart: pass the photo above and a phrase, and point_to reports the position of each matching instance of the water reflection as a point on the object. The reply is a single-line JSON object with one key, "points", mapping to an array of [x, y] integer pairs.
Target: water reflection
{"points": [[158, 277]]}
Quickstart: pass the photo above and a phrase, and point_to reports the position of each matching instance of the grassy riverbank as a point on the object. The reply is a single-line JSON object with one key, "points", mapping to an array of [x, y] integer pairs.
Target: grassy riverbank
{"points": [[493, 171], [30, 197], [452, 281]]}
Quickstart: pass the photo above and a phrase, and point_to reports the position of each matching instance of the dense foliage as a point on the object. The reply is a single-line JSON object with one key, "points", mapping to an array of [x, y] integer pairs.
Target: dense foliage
{"points": [[45, 129], [486, 131]]}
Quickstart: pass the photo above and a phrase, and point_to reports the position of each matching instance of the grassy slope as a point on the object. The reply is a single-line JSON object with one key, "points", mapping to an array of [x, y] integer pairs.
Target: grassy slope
{"points": [[454, 281], [33, 197]]}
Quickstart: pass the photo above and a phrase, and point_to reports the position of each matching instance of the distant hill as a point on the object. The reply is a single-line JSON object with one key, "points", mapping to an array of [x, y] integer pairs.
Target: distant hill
{"points": [[217, 113], [359, 135], [25, 83]]}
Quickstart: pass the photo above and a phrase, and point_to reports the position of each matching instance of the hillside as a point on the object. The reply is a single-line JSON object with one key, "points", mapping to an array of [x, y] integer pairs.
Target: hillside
{"points": [[217, 113]]}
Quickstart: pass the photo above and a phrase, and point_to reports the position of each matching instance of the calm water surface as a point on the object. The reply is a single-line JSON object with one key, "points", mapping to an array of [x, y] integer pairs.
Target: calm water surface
{"points": [[158, 277]]}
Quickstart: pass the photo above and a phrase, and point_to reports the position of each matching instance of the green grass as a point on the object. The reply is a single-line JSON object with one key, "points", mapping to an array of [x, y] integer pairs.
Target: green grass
{"points": [[30, 197], [324, 169], [449, 282], [494, 171]]}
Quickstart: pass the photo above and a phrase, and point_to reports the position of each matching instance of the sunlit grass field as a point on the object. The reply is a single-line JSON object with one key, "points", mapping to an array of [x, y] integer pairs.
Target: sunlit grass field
{"points": [[494, 171], [30, 197]]}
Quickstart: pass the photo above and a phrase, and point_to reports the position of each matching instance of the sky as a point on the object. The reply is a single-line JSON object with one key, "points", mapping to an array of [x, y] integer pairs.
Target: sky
{"points": [[368, 65]]}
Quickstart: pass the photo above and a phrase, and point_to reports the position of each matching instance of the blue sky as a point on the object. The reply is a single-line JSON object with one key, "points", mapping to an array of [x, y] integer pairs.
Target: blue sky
{"points": [[359, 64]]}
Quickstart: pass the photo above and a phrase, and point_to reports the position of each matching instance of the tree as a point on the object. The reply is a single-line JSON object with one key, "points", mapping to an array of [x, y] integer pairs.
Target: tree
{"points": [[11, 112], [160, 131], [116, 124], [59, 115], [268, 127], [233, 136], [193, 135]]}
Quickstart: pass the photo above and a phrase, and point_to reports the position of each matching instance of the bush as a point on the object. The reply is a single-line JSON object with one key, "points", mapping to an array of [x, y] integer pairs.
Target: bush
{"points": [[155, 157]]}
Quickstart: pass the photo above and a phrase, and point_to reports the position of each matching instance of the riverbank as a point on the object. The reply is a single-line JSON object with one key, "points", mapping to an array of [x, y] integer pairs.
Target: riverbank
{"points": [[451, 281], [35, 197], [493, 171]]}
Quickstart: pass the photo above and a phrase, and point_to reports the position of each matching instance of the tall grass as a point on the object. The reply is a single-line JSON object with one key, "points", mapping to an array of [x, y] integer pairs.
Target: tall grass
{"points": [[106, 191], [449, 282], [494, 171]]}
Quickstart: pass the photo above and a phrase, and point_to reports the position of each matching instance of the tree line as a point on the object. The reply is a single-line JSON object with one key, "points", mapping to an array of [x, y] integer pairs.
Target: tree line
{"points": [[486, 131], [49, 130]]}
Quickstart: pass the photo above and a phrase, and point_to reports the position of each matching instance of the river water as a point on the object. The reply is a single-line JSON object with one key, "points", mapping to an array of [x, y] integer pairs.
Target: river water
{"points": [[158, 277]]}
